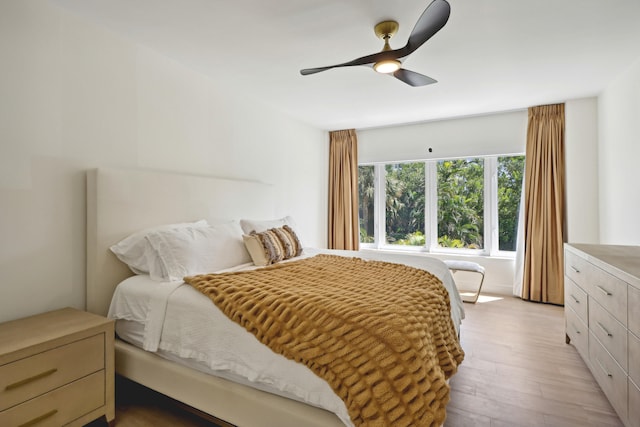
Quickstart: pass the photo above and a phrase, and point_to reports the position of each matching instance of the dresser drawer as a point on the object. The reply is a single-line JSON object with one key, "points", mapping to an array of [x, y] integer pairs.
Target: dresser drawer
{"points": [[576, 298], [32, 376], [634, 357], [611, 293], [633, 323], [634, 405], [611, 333], [612, 379], [608, 290], [578, 269], [59, 407], [578, 332]]}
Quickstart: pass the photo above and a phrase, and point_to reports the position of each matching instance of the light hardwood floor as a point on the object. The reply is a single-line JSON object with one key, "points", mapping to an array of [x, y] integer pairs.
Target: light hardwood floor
{"points": [[518, 372]]}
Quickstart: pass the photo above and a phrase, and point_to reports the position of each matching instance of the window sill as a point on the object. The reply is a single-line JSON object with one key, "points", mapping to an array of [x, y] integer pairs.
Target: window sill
{"points": [[420, 250]]}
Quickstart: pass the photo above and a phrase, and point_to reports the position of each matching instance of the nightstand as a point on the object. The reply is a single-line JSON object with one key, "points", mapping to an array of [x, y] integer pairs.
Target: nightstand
{"points": [[57, 369]]}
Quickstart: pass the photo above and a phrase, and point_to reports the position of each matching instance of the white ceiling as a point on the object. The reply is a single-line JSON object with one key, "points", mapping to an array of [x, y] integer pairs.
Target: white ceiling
{"points": [[492, 55]]}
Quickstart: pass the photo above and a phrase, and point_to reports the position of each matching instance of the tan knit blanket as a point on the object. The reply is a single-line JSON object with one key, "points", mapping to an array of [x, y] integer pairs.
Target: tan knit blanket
{"points": [[379, 333]]}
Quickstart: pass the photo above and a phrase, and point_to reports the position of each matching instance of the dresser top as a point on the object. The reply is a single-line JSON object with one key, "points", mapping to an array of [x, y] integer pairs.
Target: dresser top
{"points": [[621, 261]]}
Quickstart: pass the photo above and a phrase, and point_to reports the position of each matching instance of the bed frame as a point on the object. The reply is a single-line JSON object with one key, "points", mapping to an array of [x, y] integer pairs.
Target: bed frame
{"points": [[120, 202]]}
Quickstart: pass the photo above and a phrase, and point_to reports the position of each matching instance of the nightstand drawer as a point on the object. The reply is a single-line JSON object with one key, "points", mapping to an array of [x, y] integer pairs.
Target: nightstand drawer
{"points": [[32, 376], [576, 298], [611, 333], [58, 407]]}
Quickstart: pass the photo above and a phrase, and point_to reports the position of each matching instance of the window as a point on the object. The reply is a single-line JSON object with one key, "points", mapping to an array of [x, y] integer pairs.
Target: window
{"points": [[405, 203], [461, 203], [468, 204], [510, 173], [366, 190]]}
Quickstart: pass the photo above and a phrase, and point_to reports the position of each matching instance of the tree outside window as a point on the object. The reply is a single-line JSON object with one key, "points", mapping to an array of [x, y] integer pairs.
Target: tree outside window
{"points": [[461, 203], [366, 190], [510, 176], [405, 204]]}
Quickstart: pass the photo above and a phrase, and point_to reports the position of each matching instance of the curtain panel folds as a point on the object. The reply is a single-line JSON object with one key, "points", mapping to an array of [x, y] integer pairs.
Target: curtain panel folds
{"points": [[344, 231], [544, 216]]}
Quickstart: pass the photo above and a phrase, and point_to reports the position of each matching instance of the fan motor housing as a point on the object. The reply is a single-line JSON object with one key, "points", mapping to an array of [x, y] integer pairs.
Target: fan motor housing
{"points": [[386, 29]]}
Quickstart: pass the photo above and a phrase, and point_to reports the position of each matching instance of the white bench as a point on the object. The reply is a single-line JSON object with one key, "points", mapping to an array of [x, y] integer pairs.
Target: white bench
{"points": [[471, 267]]}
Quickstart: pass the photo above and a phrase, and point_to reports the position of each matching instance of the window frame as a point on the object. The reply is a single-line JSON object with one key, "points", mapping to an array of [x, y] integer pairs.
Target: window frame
{"points": [[491, 226]]}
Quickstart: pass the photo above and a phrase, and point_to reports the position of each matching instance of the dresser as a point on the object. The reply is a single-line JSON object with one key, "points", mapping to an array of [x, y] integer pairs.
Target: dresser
{"points": [[57, 369], [602, 319]]}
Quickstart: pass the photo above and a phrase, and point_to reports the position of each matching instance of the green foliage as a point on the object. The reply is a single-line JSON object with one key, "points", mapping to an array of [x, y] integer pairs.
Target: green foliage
{"points": [[405, 203], [447, 242], [413, 239], [366, 190], [365, 237], [461, 203], [510, 176]]}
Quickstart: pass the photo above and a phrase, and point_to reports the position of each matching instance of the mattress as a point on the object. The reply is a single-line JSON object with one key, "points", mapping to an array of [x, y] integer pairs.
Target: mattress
{"points": [[181, 324]]}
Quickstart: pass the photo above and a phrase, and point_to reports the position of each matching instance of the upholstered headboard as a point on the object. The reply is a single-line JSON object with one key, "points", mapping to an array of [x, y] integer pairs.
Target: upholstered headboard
{"points": [[120, 202]]}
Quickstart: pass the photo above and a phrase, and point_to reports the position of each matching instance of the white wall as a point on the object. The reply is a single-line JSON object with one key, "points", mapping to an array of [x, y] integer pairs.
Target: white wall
{"points": [[74, 96], [619, 153], [491, 134], [581, 161]]}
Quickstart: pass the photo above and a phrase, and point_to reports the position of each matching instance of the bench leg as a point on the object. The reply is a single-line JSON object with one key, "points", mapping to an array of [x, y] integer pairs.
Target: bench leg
{"points": [[475, 297]]}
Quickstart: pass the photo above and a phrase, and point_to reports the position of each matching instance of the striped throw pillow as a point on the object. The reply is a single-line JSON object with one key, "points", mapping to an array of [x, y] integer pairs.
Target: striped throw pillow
{"points": [[273, 245]]}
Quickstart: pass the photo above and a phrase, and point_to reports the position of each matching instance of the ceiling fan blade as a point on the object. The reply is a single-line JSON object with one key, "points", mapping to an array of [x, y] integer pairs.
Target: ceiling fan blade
{"points": [[364, 60], [430, 22], [412, 78]]}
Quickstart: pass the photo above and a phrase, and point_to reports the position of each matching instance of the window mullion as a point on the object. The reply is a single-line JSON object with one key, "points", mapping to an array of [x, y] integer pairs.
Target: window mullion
{"points": [[491, 205], [427, 203], [431, 211], [379, 205]]}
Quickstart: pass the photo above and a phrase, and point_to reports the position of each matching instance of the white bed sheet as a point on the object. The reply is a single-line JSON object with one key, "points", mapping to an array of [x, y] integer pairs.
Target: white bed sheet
{"points": [[183, 325]]}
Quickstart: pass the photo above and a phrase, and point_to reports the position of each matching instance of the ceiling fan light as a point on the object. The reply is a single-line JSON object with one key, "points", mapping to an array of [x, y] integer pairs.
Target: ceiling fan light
{"points": [[387, 66]]}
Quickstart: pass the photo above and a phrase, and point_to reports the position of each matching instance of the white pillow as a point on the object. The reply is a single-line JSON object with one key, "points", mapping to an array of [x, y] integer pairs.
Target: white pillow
{"points": [[136, 252], [189, 251], [249, 225]]}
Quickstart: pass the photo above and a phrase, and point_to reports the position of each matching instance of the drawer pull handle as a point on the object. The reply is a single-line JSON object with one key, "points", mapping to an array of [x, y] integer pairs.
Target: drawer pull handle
{"points": [[604, 291], [575, 328], [40, 418], [575, 269], [30, 379], [575, 299], [603, 368], [604, 329]]}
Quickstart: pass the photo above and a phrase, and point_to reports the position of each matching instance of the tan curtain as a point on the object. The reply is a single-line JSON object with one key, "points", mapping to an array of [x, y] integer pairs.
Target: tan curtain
{"points": [[343, 190], [544, 206]]}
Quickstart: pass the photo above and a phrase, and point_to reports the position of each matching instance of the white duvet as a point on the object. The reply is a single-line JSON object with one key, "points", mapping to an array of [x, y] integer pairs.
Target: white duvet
{"points": [[181, 324]]}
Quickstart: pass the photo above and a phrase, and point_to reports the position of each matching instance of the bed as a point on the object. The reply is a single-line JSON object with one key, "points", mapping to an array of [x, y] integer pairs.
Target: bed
{"points": [[121, 202]]}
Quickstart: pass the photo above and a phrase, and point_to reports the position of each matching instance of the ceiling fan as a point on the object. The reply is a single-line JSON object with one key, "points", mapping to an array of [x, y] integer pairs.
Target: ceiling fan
{"points": [[387, 60]]}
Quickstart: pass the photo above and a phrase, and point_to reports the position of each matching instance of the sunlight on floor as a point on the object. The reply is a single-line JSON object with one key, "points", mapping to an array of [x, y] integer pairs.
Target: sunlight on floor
{"points": [[481, 298], [488, 298]]}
